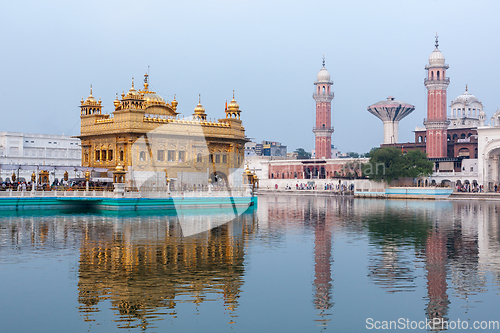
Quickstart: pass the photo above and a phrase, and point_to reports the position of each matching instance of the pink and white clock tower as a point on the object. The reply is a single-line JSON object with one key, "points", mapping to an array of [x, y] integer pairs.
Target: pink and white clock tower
{"points": [[323, 129], [436, 123]]}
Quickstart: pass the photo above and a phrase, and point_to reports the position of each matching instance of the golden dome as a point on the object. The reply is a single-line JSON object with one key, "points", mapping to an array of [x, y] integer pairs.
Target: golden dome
{"points": [[233, 105], [91, 98], [116, 102], [174, 104], [199, 109], [151, 97], [132, 91]]}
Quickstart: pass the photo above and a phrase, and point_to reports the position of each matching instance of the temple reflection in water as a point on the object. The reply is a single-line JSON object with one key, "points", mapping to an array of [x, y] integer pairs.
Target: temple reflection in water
{"points": [[145, 266]]}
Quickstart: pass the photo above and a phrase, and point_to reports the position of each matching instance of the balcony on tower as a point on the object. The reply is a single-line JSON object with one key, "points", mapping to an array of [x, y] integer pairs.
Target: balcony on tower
{"points": [[437, 80]]}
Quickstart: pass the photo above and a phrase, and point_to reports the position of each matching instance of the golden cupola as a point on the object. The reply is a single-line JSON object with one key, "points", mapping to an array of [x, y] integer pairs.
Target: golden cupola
{"points": [[150, 97], [174, 104], [199, 111], [132, 99], [132, 93], [90, 105], [116, 102], [233, 109]]}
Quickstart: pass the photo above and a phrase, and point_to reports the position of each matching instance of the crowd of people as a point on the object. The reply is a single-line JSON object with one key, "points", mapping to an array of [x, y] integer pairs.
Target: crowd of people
{"points": [[62, 185], [471, 188], [326, 187]]}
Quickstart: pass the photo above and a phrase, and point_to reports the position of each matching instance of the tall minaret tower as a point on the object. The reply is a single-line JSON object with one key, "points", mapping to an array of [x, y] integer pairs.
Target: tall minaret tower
{"points": [[323, 129], [436, 123]]}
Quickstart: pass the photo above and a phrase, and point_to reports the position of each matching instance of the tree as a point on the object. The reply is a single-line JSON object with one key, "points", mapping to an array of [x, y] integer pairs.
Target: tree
{"points": [[302, 154], [353, 154], [389, 163], [416, 164], [385, 164]]}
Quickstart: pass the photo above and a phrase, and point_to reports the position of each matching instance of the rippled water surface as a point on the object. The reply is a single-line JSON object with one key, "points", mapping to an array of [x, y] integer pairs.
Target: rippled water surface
{"points": [[291, 265]]}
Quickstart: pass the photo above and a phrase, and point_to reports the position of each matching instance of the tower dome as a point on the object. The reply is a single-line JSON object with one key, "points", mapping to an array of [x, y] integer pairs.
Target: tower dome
{"points": [[436, 59], [323, 74]]}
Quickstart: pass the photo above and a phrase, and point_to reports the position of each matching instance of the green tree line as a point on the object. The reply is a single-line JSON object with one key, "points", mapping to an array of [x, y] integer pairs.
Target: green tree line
{"points": [[390, 163]]}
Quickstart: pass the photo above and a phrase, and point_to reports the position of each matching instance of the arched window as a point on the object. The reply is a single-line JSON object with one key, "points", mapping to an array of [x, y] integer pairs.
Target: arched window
{"points": [[121, 155], [437, 74], [199, 159], [432, 75], [448, 137], [462, 136], [142, 156], [323, 90]]}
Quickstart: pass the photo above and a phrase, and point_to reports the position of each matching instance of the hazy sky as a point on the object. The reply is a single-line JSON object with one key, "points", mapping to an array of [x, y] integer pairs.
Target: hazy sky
{"points": [[269, 52]]}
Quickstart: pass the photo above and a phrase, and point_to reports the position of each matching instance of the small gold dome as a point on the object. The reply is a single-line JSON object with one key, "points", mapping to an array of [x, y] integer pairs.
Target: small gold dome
{"points": [[132, 91], [199, 110], [91, 98], [174, 103], [233, 105], [116, 102]]}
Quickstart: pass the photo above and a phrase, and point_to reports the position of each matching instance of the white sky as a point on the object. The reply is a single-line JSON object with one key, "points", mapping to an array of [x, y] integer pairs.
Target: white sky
{"points": [[269, 52]]}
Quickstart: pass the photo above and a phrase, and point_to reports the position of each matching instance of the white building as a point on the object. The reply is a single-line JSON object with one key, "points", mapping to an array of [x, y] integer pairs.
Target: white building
{"points": [[466, 111], [22, 152], [465, 117]]}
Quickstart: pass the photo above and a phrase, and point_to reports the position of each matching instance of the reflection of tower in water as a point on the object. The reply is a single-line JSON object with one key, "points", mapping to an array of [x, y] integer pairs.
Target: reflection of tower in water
{"points": [[322, 268], [322, 263], [436, 257]]}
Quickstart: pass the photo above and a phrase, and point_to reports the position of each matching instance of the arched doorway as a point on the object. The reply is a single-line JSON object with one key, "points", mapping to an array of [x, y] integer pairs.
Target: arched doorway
{"points": [[322, 174], [491, 167], [307, 173]]}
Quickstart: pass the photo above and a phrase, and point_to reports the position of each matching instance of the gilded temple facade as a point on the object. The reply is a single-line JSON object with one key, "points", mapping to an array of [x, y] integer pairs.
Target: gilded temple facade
{"points": [[148, 138]]}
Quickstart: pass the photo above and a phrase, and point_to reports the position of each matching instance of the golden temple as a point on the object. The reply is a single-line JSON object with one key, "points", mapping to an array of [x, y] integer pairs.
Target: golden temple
{"points": [[146, 136]]}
